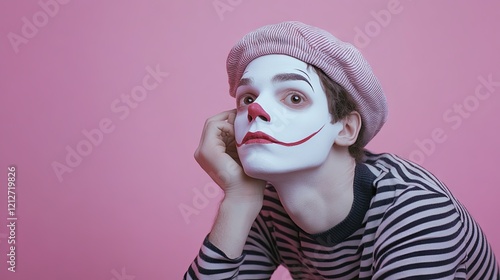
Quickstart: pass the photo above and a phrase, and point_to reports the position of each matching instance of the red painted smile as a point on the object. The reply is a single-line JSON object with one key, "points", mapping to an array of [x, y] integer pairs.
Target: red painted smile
{"points": [[260, 137]]}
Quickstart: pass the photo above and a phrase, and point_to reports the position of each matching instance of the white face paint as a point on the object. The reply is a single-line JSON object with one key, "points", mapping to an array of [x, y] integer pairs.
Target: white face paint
{"points": [[282, 123]]}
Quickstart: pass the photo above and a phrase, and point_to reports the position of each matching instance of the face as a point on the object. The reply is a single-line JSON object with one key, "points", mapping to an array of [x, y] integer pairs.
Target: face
{"points": [[282, 123]]}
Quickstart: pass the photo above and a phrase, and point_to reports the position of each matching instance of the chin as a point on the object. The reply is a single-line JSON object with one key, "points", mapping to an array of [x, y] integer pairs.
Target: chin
{"points": [[270, 162], [257, 174], [261, 172], [268, 171]]}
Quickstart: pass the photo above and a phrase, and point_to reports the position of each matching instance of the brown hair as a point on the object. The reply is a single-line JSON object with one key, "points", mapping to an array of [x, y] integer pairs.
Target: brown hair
{"points": [[340, 104]]}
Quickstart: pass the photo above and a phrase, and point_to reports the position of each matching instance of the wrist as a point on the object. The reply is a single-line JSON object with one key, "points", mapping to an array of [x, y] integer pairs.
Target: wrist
{"points": [[248, 193], [232, 225], [243, 207]]}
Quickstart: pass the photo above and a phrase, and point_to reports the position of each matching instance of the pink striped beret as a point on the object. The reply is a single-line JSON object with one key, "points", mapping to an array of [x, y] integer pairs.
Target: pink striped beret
{"points": [[341, 61]]}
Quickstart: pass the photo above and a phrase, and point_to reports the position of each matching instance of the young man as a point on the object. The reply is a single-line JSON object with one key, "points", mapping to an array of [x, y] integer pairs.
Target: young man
{"points": [[300, 191]]}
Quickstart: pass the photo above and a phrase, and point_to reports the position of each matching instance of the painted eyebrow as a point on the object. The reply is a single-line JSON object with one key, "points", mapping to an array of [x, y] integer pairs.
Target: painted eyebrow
{"points": [[303, 72], [283, 77]]}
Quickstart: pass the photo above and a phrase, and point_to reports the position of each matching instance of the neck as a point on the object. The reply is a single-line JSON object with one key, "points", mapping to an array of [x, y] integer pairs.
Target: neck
{"points": [[319, 198]]}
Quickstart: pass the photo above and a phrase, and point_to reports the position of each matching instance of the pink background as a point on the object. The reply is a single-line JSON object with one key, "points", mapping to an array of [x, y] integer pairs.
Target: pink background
{"points": [[117, 214]]}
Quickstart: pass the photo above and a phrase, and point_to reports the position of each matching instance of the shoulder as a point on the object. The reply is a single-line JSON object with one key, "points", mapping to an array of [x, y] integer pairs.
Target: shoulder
{"points": [[398, 174], [411, 198], [415, 207]]}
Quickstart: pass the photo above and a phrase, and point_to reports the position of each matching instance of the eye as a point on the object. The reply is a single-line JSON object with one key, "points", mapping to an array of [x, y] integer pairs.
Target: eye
{"points": [[245, 99], [294, 99]]}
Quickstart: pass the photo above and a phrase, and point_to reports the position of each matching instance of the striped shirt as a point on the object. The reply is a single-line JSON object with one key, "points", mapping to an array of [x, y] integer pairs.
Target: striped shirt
{"points": [[404, 224]]}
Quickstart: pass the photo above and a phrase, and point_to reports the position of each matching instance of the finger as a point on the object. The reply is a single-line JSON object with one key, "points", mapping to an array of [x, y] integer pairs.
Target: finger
{"points": [[220, 131], [231, 117], [213, 149], [215, 134], [222, 116]]}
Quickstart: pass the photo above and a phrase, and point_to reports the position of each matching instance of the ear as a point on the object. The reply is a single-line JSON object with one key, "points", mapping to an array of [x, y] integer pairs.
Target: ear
{"points": [[349, 134]]}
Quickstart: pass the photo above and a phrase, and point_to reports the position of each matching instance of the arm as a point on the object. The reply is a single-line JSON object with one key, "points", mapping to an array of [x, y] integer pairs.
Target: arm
{"points": [[256, 259], [222, 252], [232, 225]]}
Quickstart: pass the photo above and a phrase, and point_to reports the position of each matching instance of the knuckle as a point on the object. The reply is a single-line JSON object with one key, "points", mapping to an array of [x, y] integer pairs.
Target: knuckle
{"points": [[207, 121]]}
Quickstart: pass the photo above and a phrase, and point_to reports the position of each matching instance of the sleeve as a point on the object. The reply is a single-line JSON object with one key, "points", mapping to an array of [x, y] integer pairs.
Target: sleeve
{"points": [[258, 260], [421, 236]]}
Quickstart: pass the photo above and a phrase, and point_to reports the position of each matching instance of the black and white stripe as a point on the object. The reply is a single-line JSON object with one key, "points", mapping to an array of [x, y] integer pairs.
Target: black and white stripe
{"points": [[413, 229]]}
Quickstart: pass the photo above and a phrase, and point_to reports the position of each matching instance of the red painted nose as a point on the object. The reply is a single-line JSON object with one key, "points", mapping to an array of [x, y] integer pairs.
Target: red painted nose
{"points": [[256, 111]]}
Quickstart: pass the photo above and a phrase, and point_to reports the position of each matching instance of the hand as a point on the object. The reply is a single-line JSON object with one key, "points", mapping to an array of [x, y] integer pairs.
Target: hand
{"points": [[217, 155]]}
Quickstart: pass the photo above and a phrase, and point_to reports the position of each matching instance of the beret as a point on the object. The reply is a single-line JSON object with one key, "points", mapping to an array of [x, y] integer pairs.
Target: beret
{"points": [[341, 61]]}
